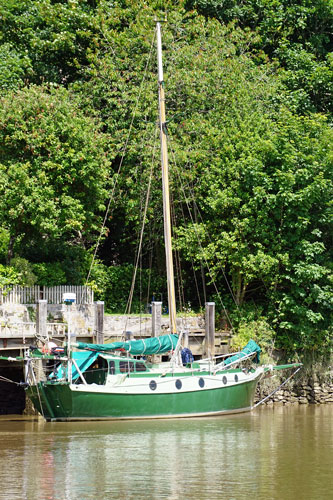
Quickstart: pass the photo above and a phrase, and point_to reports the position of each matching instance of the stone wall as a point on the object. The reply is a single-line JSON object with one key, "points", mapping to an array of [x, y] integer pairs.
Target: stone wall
{"points": [[302, 391], [82, 316], [141, 325]]}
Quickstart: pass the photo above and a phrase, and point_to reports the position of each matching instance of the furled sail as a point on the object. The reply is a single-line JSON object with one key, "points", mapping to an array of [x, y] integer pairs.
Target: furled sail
{"points": [[251, 347], [151, 345]]}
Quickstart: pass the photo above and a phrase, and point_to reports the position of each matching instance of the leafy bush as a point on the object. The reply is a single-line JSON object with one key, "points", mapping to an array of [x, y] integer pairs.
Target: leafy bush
{"points": [[50, 273], [9, 277], [258, 330], [113, 284], [25, 270]]}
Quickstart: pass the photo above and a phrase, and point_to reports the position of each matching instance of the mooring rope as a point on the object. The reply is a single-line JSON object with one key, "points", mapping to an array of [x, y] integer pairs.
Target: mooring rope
{"points": [[5, 379], [278, 388]]}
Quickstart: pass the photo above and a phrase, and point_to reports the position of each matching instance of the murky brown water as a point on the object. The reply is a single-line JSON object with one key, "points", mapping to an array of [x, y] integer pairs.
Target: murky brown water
{"points": [[273, 453]]}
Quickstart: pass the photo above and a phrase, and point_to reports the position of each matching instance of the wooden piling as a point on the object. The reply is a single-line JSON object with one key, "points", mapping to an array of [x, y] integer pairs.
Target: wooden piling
{"points": [[41, 318], [99, 321], [156, 324], [210, 329], [156, 319]]}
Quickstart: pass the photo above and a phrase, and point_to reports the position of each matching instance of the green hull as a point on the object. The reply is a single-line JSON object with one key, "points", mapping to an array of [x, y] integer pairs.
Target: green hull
{"points": [[57, 401]]}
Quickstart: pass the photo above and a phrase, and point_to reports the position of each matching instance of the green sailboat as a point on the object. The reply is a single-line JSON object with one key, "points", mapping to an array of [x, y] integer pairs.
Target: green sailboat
{"points": [[116, 381]]}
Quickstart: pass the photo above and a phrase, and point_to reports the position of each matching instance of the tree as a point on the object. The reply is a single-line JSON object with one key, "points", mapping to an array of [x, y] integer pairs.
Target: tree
{"points": [[53, 170], [296, 34], [52, 40]]}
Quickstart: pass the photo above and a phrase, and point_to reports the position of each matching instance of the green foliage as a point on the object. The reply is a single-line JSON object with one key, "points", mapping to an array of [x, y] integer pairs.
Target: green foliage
{"points": [[248, 152], [4, 242], [50, 273], [112, 284], [9, 277], [25, 270], [296, 33], [53, 169], [258, 330], [14, 68], [276, 21], [52, 40]]}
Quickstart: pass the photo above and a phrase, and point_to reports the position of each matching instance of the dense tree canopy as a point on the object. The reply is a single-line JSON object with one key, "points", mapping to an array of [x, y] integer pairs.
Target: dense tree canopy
{"points": [[53, 168], [249, 108]]}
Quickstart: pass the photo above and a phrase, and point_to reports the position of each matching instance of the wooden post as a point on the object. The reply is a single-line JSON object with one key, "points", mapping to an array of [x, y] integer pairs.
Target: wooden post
{"points": [[41, 318], [99, 321], [41, 330], [210, 329], [156, 318], [156, 325]]}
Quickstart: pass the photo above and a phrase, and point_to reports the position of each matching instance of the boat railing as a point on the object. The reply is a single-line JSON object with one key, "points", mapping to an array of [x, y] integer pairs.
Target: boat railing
{"points": [[221, 356], [222, 366]]}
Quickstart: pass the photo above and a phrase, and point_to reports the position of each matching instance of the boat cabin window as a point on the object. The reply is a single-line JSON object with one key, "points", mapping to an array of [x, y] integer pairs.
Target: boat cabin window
{"points": [[140, 367], [112, 367], [126, 366], [96, 373], [131, 366]]}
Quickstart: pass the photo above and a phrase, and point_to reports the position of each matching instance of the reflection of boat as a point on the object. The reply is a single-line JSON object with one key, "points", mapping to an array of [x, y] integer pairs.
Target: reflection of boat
{"points": [[97, 383]]}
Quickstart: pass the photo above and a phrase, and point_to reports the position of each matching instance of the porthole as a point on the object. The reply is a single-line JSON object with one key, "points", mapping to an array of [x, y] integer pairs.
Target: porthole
{"points": [[201, 382], [152, 385], [236, 378], [225, 380], [179, 384]]}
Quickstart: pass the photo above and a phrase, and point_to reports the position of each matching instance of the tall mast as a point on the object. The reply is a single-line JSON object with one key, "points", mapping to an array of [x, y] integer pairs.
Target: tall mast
{"points": [[165, 185]]}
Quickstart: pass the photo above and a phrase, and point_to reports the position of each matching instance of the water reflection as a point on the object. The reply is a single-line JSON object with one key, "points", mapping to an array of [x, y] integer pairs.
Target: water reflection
{"points": [[285, 452]]}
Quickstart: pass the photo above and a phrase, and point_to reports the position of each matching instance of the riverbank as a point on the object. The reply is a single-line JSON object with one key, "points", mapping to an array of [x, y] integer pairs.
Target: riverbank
{"points": [[303, 391]]}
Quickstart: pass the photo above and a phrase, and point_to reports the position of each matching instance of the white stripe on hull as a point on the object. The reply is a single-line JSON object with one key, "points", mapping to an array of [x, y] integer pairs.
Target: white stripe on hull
{"points": [[121, 384]]}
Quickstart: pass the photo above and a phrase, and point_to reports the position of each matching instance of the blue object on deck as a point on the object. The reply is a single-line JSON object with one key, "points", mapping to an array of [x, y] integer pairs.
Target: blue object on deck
{"points": [[187, 356], [250, 347]]}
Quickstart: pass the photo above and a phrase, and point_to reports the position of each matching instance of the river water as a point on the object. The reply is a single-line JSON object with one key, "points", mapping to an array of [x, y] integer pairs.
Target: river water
{"points": [[283, 453]]}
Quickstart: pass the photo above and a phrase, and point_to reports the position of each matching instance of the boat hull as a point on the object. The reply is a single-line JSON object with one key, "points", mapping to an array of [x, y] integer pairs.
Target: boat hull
{"points": [[61, 401]]}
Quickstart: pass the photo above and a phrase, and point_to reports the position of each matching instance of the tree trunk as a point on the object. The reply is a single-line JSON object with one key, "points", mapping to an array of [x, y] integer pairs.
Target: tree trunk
{"points": [[10, 252], [239, 286]]}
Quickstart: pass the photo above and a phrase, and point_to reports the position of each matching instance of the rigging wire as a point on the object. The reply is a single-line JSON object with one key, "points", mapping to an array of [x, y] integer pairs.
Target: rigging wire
{"points": [[197, 235], [181, 296], [121, 160], [192, 266], [197, 211], [130, 298]]}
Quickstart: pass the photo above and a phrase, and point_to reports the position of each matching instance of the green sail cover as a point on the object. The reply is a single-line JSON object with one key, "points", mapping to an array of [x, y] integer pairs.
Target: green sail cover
{"points": [[83, 360], [250, 347], [152, 345]]}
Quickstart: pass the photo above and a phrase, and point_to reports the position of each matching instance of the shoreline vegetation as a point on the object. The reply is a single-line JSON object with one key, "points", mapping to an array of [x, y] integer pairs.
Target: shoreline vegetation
{"points": [[250, 135]]}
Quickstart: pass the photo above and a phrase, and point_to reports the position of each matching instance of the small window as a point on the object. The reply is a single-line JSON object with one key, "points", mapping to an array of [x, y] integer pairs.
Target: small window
{"points": [[140, 367], [201, 382], [152, 385], [236, 378], [112, 368], [225, 380], [179, 384], [126, 366]]}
